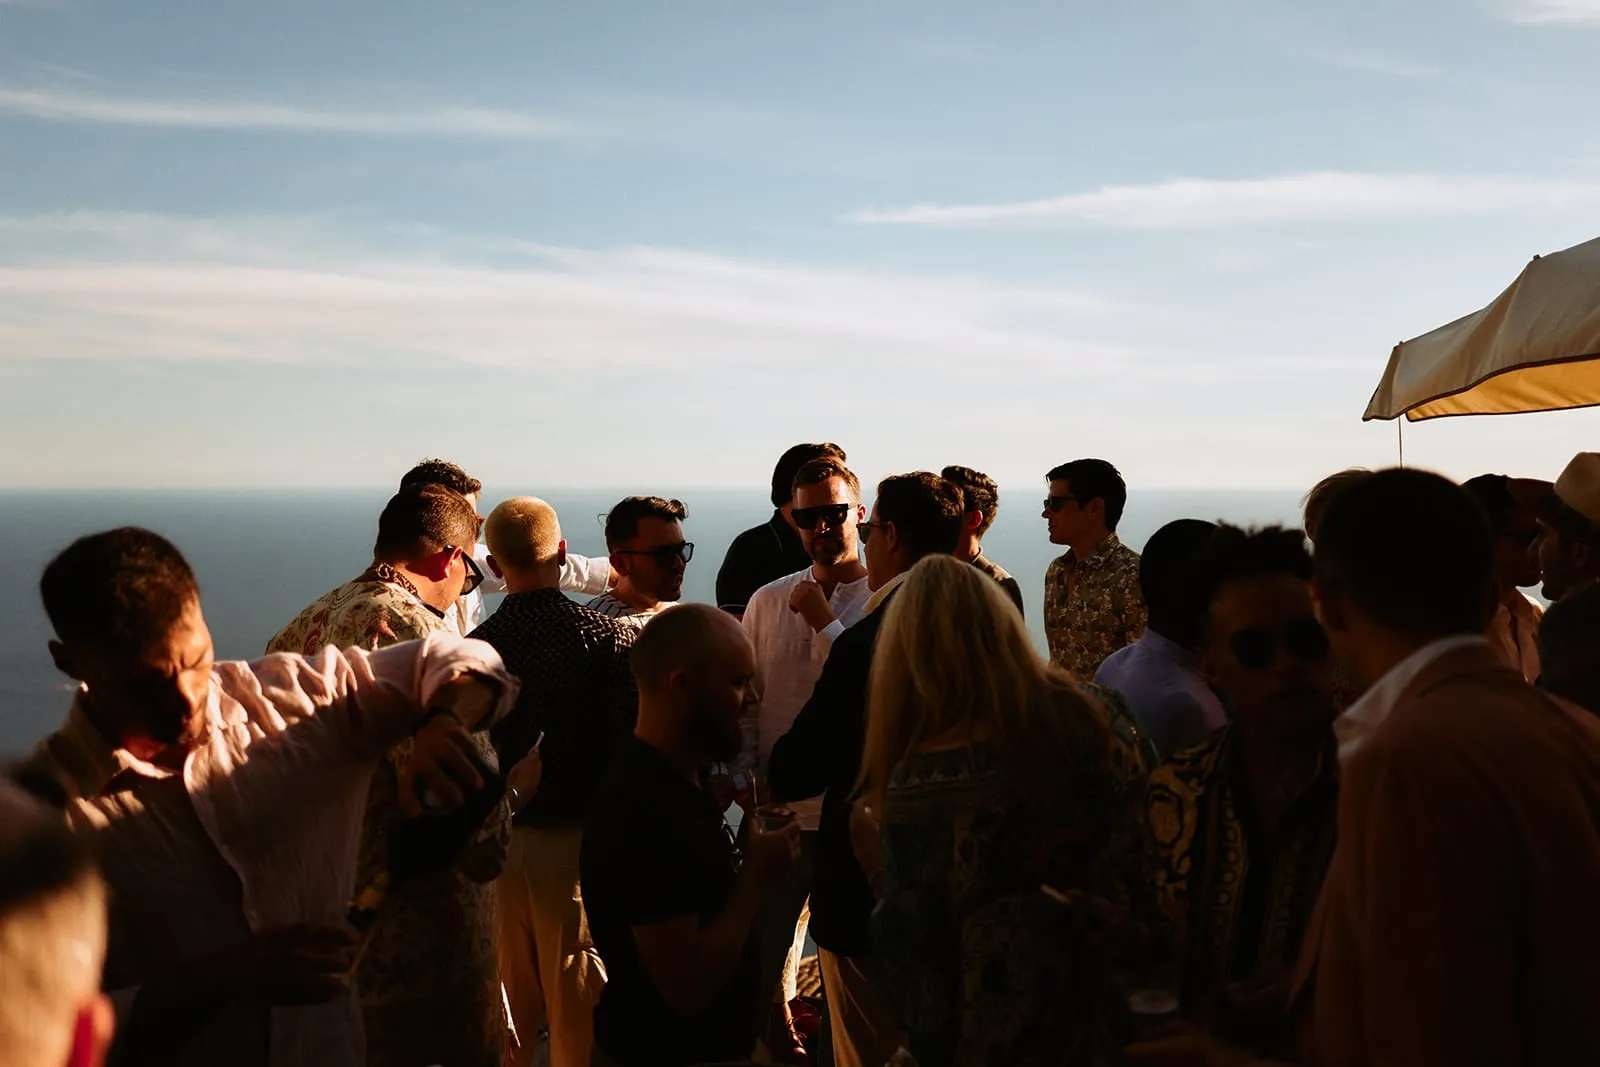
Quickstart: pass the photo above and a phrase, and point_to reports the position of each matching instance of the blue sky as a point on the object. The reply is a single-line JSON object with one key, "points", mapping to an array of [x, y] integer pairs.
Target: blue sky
{"points": [[604, 244]]}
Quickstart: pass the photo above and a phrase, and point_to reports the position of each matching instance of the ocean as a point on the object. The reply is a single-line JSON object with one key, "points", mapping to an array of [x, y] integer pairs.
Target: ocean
{"points": [[262, 556]]}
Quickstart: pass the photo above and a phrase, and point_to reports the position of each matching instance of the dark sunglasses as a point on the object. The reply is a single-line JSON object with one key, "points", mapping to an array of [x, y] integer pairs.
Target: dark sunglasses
{"points": [[1054, 504], [1257, 647], [474, 575], [866, 528], [832, 514], [663, 554]]}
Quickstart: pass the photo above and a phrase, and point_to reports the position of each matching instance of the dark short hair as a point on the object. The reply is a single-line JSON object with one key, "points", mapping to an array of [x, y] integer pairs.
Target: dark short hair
{"points": [[978, 491], [926, 510], [1315, 505], [126, 587], [1171, 579], [440, 472], [1237, 554], [792, 460], [422, 519], [1095, 479], [1493, 494], [1412, 550], [818, 471], [622, 521]]}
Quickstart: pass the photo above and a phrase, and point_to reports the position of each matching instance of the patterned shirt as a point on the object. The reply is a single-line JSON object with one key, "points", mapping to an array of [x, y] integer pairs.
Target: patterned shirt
{"points": [[634, 618], [1092, 607], [577, 690], [1232, 897], [429, 978], [259, 829]]}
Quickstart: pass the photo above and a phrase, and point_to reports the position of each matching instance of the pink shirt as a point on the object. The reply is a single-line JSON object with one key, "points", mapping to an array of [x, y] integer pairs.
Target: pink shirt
{"points": [[261, 827]]}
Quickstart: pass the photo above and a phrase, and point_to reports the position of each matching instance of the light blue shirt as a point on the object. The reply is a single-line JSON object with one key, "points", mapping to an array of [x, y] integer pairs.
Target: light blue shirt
{"points": [[1161, 681]]}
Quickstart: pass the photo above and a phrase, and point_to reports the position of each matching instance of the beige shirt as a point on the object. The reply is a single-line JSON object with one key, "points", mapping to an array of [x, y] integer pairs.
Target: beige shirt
{"points": [[1514, 631], [260, 828]]}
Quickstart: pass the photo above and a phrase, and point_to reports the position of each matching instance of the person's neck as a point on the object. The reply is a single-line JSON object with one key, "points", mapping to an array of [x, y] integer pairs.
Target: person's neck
{"points": [[1089, 546], [831, 575], [432, 593], [969, 548], [874, 583], [541, 576], [1275, 766], [1378, 652], [625, 592], [139, 746], [657, 729]]}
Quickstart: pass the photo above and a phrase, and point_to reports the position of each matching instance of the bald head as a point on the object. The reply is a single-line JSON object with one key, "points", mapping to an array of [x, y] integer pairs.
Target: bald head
{"points": [[52, 936], [683, 638], [696, 672], [523, 533]]}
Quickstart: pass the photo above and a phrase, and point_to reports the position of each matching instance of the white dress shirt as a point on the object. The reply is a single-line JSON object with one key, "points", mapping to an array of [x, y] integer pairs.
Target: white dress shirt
{"points": [[583, 575], [1362, 718]]}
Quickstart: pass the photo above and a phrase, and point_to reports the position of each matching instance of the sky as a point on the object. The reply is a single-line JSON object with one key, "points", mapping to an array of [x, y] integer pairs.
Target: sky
{"points": [[599, 244]]}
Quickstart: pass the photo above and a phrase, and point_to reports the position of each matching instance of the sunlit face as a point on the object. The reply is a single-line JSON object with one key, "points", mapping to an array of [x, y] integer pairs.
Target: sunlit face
{"points": [[827, 516], [720, 695], [1267, 654], [1564, 561], [157, 694], [652, 560], [1067, 517]]}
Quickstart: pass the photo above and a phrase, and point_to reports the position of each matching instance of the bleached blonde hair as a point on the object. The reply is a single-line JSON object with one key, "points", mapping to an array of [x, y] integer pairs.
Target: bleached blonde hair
{"points": [[954, 659], [522, 533]]}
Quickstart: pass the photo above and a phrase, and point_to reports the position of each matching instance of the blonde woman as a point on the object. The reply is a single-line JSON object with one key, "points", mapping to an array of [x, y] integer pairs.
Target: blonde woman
{"points": [[991, 774]]}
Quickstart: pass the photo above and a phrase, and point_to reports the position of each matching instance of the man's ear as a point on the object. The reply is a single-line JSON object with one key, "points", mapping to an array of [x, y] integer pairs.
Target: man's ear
{"points": [[494, 567], [972, 521], [1096, 508], [65, 660], [1330, 608], [619, 563]]}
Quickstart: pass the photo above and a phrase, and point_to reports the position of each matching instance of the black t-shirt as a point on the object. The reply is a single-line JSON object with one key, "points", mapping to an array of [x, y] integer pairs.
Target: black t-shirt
{"points": [[657, 849], [760, 555]]}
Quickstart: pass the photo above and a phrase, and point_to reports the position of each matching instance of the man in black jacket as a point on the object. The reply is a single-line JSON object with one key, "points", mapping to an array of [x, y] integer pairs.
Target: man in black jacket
{"points": [[915, 515], [772, 550]]}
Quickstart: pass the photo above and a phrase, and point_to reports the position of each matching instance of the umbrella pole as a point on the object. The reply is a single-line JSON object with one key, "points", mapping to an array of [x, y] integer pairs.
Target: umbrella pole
{"points": [[1400, 437]]}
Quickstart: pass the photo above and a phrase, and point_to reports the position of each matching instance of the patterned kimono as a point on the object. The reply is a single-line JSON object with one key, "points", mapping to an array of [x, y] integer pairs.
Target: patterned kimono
{"points": [[429, 978]]}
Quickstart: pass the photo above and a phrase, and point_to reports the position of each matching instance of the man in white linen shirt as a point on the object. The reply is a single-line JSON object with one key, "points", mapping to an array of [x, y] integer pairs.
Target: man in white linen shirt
{"points": [[584, 575], [227, 800], [792, 623]]}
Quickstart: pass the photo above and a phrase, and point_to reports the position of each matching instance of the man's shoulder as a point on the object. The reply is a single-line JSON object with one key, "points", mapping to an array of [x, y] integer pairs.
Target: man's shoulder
{"points": [[1058, 565], [756, 539], [777, 590], [1116, 665]]}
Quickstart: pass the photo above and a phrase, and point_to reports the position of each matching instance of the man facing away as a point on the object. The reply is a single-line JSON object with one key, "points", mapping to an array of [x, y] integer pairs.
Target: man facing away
{"points": [[982, 501], [579, 575], [671, 903], [429, 975], [228, 798], [576, 693], [644, 535], [767, 552], [791, 624], [1514, 627], [52, 941], [1092, 605], [1242, 825], [1160, 674], [915, 515]]}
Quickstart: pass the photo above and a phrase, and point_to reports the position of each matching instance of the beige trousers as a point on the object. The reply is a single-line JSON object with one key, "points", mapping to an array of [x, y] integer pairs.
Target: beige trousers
{"points": [[551, 971], [864, 1033]]}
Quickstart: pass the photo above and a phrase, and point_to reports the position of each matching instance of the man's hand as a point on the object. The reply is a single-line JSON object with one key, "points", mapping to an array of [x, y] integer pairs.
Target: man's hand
{"points": [[771, 855], [441, 766], [525, 778], [290, 965], [807, 600]]}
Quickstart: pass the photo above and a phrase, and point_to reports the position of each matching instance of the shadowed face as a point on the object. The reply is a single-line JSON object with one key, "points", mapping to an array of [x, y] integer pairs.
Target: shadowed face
{"points": [[720, 694], [827, 516], [652, 560], [1268, 655]]}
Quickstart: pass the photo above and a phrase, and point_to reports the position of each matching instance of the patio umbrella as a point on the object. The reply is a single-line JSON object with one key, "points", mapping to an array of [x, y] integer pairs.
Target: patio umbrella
{"points": [[1536, 348]]}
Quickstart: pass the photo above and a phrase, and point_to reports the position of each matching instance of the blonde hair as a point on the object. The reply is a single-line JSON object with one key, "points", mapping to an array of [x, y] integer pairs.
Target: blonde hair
{"points": [[954, 660], [522, 533]]}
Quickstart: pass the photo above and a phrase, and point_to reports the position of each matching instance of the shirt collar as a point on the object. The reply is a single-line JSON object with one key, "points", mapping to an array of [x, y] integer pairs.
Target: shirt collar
{"points": [[1100, 556], [88, 759], [1361, 719], [875, 601]]}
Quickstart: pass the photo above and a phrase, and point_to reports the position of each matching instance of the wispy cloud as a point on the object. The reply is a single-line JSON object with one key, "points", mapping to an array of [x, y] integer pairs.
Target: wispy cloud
{"points": [[469, 122], [1556, 12], [1197, 203]]}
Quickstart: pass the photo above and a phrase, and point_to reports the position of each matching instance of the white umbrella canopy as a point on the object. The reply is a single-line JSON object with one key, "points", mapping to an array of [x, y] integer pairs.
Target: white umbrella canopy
{"points": [[1536, 348]]}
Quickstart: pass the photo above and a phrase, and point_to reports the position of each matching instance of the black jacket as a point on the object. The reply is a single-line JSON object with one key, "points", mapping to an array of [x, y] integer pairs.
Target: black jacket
{"points": [[760, 555], [821, 754]]}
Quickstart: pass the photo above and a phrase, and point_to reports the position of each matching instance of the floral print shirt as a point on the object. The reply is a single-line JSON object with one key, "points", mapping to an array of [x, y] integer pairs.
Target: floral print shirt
{"points": [[1092, 607]]}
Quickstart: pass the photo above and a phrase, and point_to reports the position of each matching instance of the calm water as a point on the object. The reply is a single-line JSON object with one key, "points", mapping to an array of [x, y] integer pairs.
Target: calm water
{"points": [[263, 556]]}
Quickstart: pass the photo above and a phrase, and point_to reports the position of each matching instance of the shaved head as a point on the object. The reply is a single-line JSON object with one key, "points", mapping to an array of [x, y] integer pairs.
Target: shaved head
{"points": [[522, 533], [687, 638]]}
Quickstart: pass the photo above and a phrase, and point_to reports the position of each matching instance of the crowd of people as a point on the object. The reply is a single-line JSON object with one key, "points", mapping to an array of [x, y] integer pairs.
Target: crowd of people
{"points": [[1325, 796]]}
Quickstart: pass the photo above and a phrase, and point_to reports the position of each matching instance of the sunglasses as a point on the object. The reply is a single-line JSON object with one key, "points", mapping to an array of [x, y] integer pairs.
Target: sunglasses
{"points": [[832, 514], [474, 575], [1054, 504], [663, 554], [1256, 648], [867, 528]]}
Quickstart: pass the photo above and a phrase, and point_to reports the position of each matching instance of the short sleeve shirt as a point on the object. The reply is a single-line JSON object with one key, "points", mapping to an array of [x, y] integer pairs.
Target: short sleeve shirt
{"points": [[657, 848]]}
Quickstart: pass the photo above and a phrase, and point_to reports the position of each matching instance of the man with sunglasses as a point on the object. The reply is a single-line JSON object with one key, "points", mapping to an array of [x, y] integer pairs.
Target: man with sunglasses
{"points": [[1243, 823], [644, 535], [430, 965], [1515, 626], [1092, 603], [791, 624]]}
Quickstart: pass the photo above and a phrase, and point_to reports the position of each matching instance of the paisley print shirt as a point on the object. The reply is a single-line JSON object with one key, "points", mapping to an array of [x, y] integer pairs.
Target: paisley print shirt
{"points": [[1092, 607]]}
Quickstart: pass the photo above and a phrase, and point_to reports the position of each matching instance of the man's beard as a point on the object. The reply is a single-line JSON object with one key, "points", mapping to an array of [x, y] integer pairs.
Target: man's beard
{"points": [[829, 551], [708, 738]]}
